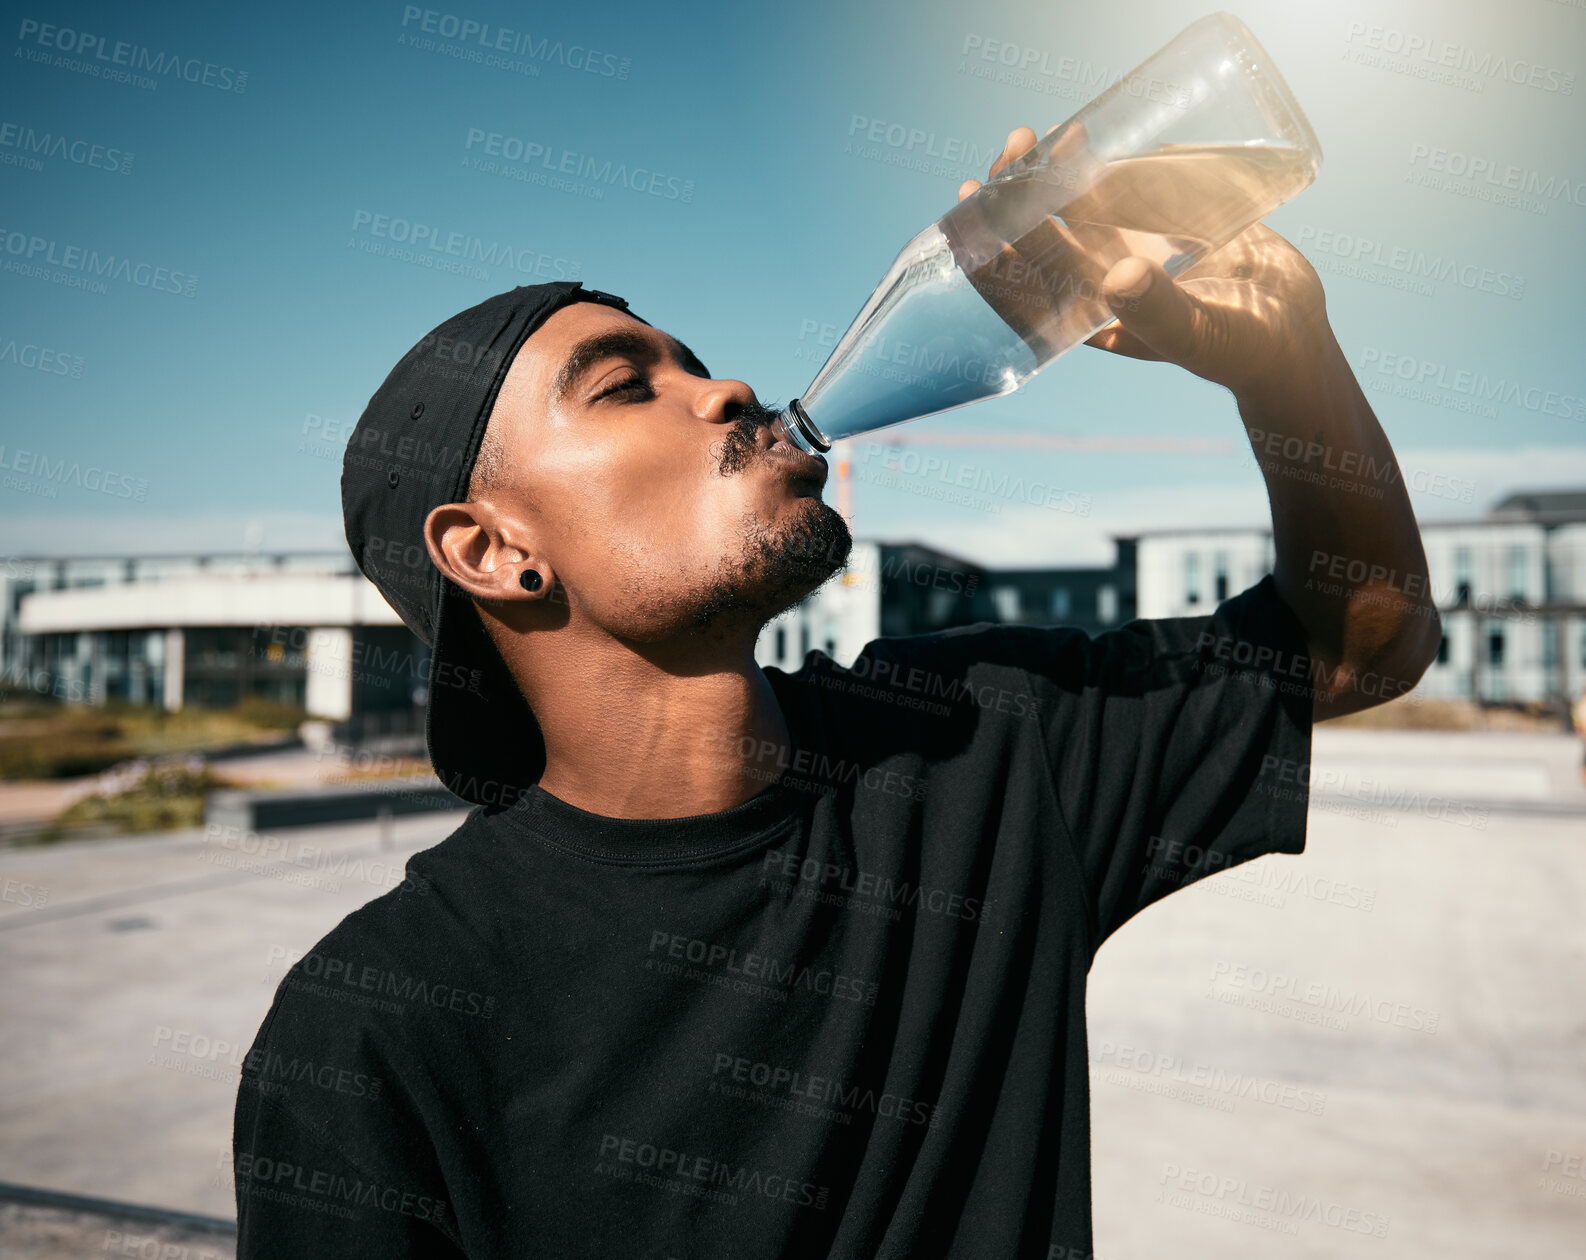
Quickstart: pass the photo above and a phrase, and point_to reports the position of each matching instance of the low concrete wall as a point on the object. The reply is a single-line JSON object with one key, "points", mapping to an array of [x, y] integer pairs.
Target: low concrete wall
{"points": [[261, 810]]}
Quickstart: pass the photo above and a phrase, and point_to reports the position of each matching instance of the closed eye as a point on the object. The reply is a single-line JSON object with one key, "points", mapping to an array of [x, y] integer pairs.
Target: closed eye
{"points": [[633, 385]]}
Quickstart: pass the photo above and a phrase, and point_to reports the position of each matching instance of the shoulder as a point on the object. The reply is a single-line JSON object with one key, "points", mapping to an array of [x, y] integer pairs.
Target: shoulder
{"points": [[1254, 627], [968, 670], [934, 692], [359, 997], [931, 662], [381, 1026]]}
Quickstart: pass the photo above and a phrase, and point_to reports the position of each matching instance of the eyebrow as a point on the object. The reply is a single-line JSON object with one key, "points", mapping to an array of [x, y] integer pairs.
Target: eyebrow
{"points": [[624, 343]]}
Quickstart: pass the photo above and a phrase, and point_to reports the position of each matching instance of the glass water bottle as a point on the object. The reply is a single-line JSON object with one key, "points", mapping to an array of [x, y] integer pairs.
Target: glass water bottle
{"points": [[1169, 163]]}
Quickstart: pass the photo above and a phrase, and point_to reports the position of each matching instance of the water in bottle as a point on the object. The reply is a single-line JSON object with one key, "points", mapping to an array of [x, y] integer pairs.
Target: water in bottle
{"points": [[965, 314], [1169, 163]]}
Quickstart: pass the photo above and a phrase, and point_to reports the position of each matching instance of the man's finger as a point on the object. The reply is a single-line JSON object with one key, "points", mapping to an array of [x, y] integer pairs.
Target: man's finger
{"points": [[967, 187], [1067, 144], [1020, 141]]}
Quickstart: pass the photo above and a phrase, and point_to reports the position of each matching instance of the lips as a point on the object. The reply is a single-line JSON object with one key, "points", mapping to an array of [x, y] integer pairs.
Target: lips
{"points": [[789, 456]]}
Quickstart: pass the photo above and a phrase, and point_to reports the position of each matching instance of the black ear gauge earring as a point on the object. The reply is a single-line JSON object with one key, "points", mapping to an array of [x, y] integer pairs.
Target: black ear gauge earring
{"points": [[530, 579]]}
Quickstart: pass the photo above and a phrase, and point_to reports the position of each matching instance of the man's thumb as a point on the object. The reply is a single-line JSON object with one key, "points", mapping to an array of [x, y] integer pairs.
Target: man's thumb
{"points": [[1147, 303]]}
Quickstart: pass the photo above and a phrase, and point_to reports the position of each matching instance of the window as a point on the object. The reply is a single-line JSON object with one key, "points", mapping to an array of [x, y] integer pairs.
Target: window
{"points": [[1107, 604], [1550, 645], [1495, 646], [1462, 575], [1517, 571], [1442, 651], [831, 646], [781, 644], [1005, 599], [1062, 603], [804, 639], [1220, 567], [1192, 577]]}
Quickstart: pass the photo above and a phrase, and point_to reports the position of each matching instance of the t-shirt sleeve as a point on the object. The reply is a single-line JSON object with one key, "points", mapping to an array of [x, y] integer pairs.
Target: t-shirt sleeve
{"points": [[300, 1198], [326, 1160], [1178, 747]]}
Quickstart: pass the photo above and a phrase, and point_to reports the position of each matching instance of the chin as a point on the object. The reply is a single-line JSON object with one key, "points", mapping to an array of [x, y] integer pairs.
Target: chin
{"points": [[812, 548], [778, 566]]}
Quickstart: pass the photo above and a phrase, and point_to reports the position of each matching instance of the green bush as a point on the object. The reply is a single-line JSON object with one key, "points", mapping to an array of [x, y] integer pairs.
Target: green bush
{"points": [[45, 740], [270, 715], [161, 795], [83, 743]]}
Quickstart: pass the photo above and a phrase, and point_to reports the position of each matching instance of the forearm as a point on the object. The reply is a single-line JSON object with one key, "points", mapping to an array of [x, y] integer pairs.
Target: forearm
{"points": [[1348, 556]]}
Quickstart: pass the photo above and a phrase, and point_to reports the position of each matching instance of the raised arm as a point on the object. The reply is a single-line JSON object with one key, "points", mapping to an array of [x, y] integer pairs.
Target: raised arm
{"points": [[1349, 562]]}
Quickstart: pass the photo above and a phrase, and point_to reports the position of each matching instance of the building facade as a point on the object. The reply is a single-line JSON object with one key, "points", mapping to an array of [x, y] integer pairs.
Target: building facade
{"points": [[1511, 590], [308, 630], [304, 630], [887, 589], [1092, 599]]}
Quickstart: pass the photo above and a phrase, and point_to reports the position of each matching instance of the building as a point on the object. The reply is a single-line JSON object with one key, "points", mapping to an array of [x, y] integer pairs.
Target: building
{"points": [[305, 630], [887, 589], [309, 630], [1092, 599], [1511, 589], [1188, 572]]}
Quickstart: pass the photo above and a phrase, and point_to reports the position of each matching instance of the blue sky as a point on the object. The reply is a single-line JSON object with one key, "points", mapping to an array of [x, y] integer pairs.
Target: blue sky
{"points": [[220, 413]]}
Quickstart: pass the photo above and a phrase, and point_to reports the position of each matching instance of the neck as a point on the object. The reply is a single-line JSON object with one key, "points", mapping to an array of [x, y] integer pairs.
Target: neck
{"points": [[667, 733]]}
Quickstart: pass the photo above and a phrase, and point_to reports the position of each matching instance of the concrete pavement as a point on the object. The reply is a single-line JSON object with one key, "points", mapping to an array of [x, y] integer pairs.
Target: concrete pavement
{"points": [[1377, 1049]]}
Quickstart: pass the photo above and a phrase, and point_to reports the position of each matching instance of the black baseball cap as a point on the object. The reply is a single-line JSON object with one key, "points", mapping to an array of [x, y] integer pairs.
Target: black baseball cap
{"points": [[413, 449]]}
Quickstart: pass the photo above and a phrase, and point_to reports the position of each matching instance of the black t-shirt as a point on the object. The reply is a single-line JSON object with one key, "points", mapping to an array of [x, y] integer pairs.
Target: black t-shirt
{"points": [[843, 1018]]}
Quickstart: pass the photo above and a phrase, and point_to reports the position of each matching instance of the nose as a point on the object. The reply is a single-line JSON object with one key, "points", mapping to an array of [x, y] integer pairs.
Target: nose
{"points": [[723, 401]]}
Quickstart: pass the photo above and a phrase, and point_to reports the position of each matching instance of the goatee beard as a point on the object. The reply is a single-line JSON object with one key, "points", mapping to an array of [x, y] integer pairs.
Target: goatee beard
{"points": [[777, 569]]}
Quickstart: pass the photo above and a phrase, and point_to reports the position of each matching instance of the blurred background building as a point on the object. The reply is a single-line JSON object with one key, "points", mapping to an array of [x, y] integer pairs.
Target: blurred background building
{"points": [[306, 629], [1511, 589]]}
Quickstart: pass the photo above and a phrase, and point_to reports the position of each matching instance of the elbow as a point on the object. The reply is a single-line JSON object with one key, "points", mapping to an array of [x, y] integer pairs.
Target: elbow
{"points": [[1408, 651], [1424, 637], [1388, 661]]}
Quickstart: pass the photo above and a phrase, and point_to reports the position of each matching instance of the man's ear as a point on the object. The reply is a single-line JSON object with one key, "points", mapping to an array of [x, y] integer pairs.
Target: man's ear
{"points": [[468, 543]]}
